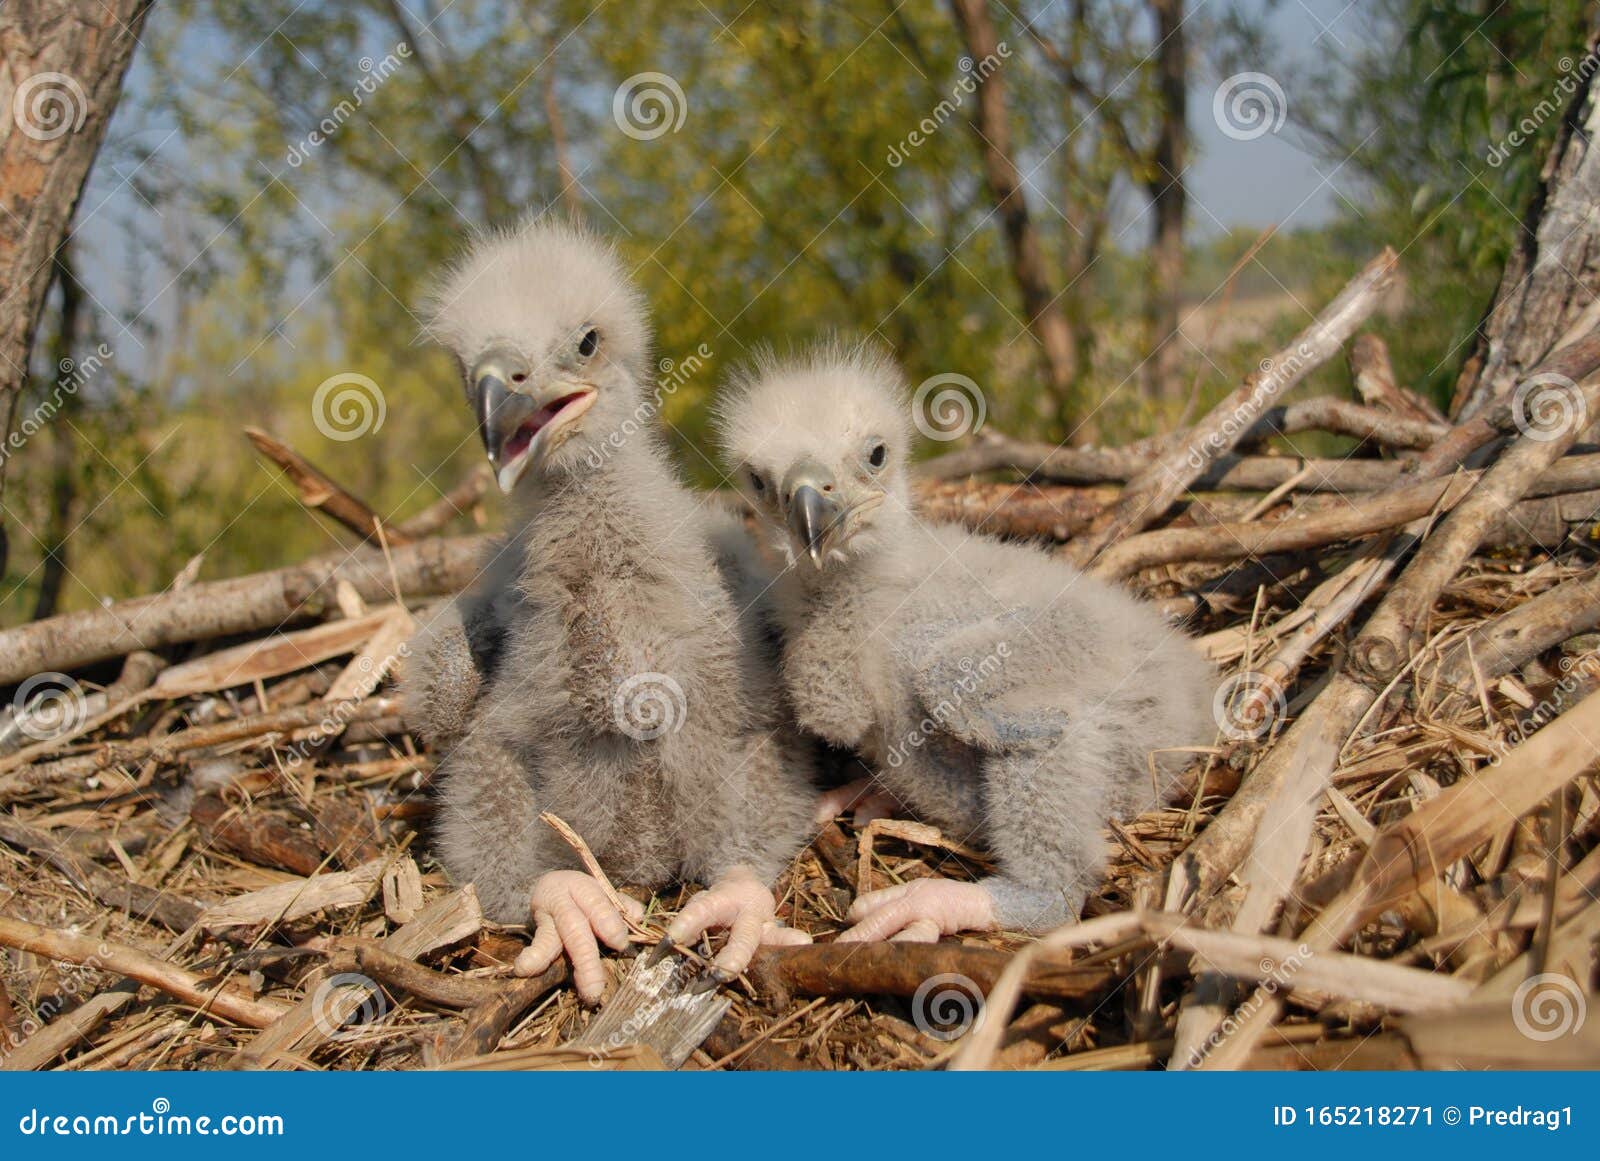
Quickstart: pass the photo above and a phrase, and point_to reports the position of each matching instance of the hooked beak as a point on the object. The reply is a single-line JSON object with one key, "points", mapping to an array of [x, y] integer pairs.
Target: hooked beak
{"points": [[520, 423], [814, 516]]}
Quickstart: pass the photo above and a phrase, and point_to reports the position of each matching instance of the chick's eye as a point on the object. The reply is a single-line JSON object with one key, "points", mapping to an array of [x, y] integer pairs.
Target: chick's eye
{"points": [[589, 343], [757, 483], [878, 455]]}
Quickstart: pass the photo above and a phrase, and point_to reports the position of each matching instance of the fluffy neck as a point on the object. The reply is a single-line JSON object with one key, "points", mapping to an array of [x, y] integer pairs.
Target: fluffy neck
{"points": [[622, 510]]}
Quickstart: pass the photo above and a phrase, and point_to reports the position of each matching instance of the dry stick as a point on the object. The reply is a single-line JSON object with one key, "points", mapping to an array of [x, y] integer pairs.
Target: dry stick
{"points": [[166, 747], [1283, 962], [1410, 852], [1305, 757], [488, 1022], [138, 965], [324, 1008], [319, 492], [1341, 417], [899, 969], [370, 958], [1375, 382], [62, 1033], [1217, 851], [246, 604], [1255, 538], [1153, 491], [591, 864], [104, 887], [1299, 769], [1510, 640]]}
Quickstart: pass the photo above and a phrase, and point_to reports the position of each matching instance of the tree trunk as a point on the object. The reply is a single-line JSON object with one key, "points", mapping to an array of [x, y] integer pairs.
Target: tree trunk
{"points": [[61, 69], [1040, 303], [1551, 286], [1169, 204], [63, 480]]}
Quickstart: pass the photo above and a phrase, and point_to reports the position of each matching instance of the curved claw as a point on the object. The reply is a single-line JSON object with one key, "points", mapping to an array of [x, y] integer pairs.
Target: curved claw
{"points": [[921, 911]]}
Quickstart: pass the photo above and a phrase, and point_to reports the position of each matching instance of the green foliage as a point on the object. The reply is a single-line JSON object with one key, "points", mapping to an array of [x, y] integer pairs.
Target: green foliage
{"points": [[313, 162]]}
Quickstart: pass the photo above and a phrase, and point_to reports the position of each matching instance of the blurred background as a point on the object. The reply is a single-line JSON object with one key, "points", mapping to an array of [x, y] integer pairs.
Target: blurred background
{"points": [[1100, 213]]}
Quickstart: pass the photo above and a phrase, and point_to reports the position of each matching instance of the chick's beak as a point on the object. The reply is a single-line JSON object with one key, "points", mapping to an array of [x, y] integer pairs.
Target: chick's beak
{"points": [[501, 411], [812, 511], [518, 422]]}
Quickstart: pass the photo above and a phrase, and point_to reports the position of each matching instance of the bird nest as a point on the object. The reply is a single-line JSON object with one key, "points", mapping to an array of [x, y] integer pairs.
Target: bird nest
{"points": [[215, 825]]}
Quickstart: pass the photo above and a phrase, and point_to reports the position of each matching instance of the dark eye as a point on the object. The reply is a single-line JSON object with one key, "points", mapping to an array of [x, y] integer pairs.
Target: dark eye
{"points": [[756, 482], [878, 455], [589, 343]]}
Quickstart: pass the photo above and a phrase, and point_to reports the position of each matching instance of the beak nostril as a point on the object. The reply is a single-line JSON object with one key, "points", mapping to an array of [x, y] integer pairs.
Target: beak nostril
{"points": [[827, 487], [519, 377]]}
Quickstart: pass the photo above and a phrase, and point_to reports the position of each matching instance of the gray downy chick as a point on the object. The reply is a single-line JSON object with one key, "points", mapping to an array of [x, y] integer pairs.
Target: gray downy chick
{"points": [[606, 675], [1001, 694]]}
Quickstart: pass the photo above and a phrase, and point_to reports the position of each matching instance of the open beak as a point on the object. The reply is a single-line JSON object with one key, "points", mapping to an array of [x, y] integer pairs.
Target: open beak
{"points": [[520, 423], [814, 515]]}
